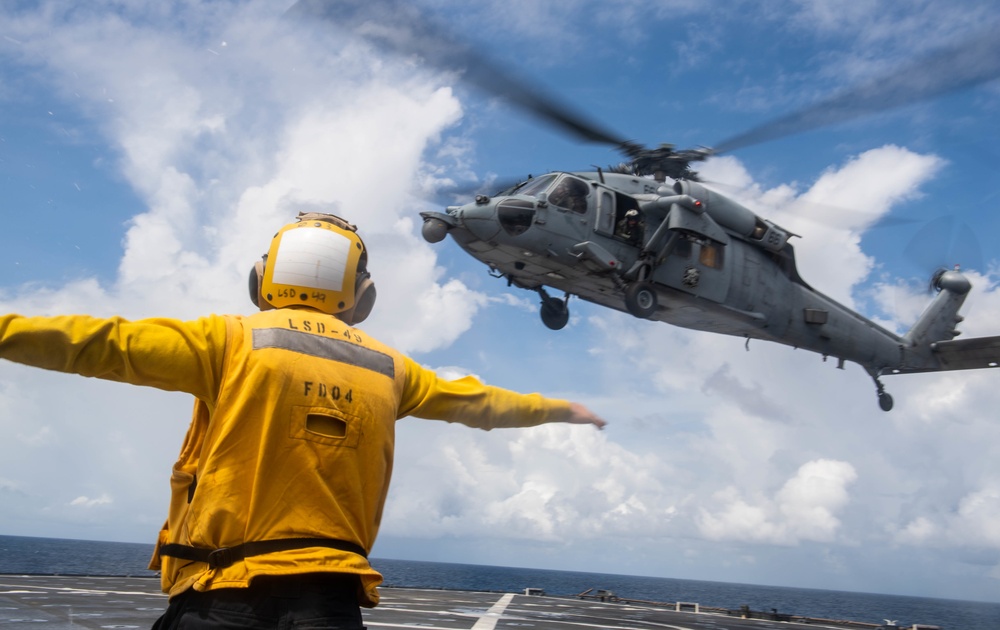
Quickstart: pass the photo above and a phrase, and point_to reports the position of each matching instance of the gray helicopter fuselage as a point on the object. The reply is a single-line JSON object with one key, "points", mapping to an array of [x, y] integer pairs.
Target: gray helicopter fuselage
{"points": [[706, 263], [735, 289]]}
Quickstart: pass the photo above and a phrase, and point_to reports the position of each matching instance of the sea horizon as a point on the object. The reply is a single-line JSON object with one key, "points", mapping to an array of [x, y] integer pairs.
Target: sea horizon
{"points": [[376, 559], [62, 556]]}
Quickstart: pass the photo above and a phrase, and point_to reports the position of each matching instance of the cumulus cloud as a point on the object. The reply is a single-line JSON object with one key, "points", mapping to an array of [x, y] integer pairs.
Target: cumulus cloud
{"points": [[87, 502], [970, 523], [548, 483], [342, 133], [804, 508]]}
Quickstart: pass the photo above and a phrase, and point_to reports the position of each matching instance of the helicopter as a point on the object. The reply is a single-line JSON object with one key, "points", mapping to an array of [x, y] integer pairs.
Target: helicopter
{"points": [[647, 237]]}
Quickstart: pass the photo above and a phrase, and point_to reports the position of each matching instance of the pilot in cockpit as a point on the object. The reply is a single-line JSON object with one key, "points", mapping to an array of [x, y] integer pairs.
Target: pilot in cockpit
{"points": [[570, 193]]}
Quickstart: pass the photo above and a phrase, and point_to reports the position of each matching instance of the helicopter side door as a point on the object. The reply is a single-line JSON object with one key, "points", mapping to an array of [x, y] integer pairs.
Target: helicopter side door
{"points": [[606, 219]]}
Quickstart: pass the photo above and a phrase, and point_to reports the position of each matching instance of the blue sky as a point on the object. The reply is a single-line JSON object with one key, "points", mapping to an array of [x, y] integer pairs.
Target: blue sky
{"points": [[147, 152]]}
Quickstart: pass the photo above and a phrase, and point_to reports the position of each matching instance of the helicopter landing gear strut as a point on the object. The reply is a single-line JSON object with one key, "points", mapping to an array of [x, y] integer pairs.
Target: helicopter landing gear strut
{"points": [[884, 398], [554, 312]]}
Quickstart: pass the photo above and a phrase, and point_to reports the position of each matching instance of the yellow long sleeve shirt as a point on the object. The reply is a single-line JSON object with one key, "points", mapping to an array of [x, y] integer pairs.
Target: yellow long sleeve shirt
{"points": [[292, 434]]}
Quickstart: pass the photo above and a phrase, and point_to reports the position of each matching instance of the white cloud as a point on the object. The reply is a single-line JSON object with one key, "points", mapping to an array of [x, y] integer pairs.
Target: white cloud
{"points": [[968, 524], [977, 517], [87, 502], [918, 530], [543, 484], [220, 167], [805, 508]]}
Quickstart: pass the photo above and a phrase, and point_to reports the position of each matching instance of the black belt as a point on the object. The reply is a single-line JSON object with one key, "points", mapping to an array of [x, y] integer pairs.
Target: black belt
{"points": [[226, 556]]}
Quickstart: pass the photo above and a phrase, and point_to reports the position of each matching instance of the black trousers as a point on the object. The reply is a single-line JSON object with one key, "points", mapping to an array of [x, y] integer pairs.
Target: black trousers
{"points": [[314, 600]]}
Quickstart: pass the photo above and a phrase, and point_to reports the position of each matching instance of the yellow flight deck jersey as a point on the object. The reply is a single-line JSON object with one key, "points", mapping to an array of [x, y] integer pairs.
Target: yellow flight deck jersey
{"points": [[293, 429]]}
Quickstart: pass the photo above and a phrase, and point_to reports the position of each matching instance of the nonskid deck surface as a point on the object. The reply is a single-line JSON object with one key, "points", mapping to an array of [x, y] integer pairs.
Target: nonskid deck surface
{"points": [[42, 602]]}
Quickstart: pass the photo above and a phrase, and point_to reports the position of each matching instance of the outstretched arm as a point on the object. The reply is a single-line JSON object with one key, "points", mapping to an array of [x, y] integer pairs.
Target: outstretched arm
{"points": [[470, 402], [163, 353]]}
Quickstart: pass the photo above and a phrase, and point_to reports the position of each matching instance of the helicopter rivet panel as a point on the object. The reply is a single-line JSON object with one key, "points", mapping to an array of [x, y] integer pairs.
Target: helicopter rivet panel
{"points": [[480, 221], [682, 219], [735, 217], [594, 253]]}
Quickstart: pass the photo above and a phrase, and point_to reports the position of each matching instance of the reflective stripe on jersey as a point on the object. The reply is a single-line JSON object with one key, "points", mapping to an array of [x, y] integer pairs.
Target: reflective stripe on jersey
{"points": [[324, 348]]}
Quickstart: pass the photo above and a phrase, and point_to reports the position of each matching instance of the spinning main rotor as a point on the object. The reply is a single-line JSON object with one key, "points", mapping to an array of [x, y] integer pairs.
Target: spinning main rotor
{"points": [[404, 29]]}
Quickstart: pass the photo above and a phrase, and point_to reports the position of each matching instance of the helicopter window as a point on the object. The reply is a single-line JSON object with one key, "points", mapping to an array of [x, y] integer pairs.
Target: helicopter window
{"points": [[515, 215], [606, 220], [711, 255], [534, 186], [570, 193], [682, 248]]}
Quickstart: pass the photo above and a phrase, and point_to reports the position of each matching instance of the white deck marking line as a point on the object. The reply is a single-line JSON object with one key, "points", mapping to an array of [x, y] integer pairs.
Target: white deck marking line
{"points": [[489, 620]]}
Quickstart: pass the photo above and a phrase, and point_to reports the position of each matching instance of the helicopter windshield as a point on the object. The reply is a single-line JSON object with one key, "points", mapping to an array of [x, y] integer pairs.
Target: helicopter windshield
{"points": [[570, 193], [534, 186]]}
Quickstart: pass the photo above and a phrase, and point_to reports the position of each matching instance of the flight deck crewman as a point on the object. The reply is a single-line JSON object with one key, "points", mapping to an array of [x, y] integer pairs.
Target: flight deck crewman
{"points": [[278, 491]]}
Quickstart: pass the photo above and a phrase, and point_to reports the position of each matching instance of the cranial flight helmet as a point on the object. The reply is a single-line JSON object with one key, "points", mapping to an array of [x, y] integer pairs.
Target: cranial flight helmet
{"points": [[318, 262]]}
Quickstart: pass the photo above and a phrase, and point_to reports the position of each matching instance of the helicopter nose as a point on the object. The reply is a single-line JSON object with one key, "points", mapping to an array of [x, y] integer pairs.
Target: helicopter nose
{"points": [[480, 220]]}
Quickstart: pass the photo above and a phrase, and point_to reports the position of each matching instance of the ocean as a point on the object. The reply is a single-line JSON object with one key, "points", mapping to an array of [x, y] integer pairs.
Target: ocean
{"points": [[51, 556]]}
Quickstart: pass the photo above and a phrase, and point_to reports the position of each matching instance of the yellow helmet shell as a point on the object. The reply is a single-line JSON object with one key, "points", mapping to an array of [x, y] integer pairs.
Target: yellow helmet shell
{"points": [[312, 263]]}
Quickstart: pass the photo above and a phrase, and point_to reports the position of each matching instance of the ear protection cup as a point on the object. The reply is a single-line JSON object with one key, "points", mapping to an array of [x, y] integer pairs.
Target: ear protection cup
{"points": [[256, 273], [364, 300]]}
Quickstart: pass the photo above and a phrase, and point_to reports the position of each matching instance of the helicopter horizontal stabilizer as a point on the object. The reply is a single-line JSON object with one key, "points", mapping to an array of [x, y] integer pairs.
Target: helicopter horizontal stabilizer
{"points": [[961, 354]]}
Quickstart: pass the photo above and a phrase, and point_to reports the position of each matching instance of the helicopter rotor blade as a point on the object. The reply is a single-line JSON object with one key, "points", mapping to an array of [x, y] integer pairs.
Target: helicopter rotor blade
{"points": [[401, 28], [950, 69]]}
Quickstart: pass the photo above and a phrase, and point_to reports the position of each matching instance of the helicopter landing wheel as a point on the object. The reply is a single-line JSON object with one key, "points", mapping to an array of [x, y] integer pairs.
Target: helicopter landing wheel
{"points": [[555, 313], [885, 401], [640, 299], [884, 398]]}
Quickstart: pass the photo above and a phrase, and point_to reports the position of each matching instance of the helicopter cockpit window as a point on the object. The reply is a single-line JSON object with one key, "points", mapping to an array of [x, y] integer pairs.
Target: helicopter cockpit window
{"points": [[534, 186], [515, 215], [570, 193]]}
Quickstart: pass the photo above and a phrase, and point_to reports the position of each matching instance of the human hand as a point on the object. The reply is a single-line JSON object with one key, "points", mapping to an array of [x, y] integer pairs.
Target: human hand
{"points": [[581, 415]]}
